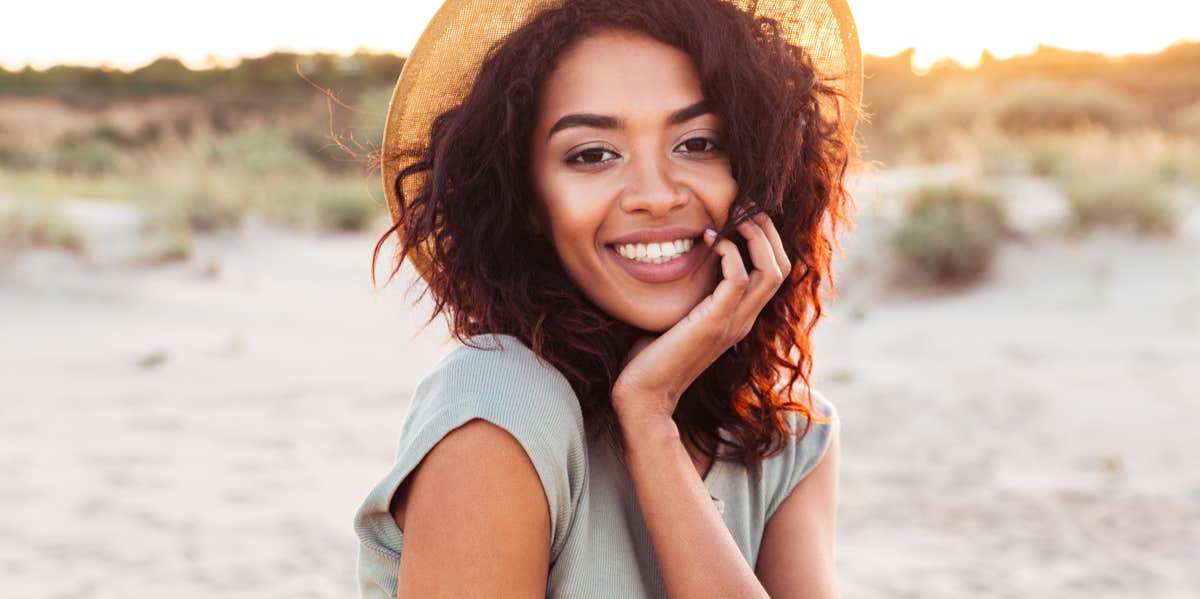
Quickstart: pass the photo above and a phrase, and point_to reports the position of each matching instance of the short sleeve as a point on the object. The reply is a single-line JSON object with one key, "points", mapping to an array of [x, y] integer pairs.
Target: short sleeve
{"points": [[507, 385], [801, 457]]}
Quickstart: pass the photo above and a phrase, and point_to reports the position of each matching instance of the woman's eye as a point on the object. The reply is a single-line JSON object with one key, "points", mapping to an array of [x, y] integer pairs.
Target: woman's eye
{"points": [[590, 156], [698, 144]]}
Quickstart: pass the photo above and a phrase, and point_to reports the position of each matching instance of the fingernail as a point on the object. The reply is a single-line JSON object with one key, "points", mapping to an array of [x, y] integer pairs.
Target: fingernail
{"points": [[710, 234]]}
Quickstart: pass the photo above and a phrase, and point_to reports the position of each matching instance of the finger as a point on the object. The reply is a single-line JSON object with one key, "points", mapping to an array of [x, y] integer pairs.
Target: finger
{"points": [[768, 226], [766, 271], [734, 281], [764, 280]]}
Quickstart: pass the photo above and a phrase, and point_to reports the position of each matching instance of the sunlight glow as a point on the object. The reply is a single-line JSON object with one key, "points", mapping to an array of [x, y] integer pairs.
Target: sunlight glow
{"points": [[961, 30], [130, 33]]}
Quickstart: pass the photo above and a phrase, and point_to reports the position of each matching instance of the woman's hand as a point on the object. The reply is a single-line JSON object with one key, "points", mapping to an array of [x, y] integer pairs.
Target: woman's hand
{"points": [[659, 369]]}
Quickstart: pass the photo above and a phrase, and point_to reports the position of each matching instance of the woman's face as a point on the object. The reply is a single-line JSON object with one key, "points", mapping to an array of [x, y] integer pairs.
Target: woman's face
{"points": [[629, 168]]}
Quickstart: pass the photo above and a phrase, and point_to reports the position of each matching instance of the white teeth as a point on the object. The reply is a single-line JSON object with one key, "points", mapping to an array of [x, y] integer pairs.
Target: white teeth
{"points": [[655, 253]]}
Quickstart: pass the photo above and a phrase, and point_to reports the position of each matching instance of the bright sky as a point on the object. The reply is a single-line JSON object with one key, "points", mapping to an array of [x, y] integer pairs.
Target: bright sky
{"points": [[131, 33]]}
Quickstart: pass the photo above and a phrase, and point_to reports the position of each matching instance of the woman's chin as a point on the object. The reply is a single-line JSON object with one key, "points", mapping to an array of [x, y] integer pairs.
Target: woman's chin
{"points": [[658, 320]]}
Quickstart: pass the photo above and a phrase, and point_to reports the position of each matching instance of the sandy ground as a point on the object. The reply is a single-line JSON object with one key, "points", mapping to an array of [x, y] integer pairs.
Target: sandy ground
{"points": [[207, 429]]}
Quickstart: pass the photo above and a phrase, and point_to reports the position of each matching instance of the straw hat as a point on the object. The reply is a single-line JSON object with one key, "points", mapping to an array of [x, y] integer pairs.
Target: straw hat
{"points": [[441, 68]]}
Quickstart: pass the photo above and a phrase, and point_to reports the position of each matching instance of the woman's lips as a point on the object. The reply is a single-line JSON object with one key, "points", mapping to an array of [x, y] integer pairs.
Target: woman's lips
{"points": [[648, 272]]}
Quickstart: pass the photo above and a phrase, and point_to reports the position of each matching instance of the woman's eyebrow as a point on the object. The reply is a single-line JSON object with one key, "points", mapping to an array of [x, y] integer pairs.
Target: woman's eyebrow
{"points": [[688, 113], [597, 121], [603, 121]]}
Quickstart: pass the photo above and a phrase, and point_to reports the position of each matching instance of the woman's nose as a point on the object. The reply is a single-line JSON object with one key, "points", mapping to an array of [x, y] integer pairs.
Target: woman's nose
{"points": [[652, 188]]}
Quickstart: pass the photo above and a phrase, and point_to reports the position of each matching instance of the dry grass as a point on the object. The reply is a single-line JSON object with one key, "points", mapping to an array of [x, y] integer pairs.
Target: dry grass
{"points": [[39, 223], [174, 158], [1119, 180], [166, 244], [1112, 199], [1053, 105], [1187, 120], [330, 204]]}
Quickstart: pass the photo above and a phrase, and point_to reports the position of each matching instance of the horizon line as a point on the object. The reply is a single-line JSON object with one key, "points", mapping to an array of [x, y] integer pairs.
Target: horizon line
{"points": [[215, 61]]}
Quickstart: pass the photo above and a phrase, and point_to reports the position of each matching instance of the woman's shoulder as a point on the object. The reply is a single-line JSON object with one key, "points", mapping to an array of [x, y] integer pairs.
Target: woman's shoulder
{"points": [[801, 454], [498, 373], [498, 379], [494, 353]]}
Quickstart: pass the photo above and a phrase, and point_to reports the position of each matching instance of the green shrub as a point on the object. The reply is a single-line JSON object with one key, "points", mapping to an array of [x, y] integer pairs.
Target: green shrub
{"points": [[19, 155], [84, 155], [951, 231], [147, 133], [257, 152], [1107, 198], [347, 208]]}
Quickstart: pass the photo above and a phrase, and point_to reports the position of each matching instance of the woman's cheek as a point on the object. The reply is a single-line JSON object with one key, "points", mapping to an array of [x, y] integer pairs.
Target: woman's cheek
{"points": [[577, 213], [717, 189]]}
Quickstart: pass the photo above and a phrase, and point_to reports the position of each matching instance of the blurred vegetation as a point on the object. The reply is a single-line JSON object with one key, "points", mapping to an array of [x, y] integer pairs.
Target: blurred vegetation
{"points": [[999, 106], [289, 137], [29, 223], [1113, 200], [1113, 180], [1160, 83], [253, 81], [286, 137], [951, 231], [1116, 135], [165, 243]]}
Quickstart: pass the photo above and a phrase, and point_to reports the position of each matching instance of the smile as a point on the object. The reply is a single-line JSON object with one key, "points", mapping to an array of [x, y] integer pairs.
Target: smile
{"points": [[655, 253], [657, 262]]}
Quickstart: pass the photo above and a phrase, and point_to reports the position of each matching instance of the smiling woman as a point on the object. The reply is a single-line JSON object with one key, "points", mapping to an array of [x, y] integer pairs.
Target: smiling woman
{"points": [[626, 171], [627, 210]]}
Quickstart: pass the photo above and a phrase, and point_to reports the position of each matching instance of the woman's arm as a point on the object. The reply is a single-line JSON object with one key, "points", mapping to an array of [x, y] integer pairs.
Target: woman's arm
{"points": [[475, 518], [796, 558], [696, 554]]}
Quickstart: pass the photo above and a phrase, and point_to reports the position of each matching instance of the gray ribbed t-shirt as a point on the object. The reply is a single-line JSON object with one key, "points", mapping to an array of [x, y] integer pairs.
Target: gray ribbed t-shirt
{"points": [[599, 545]]}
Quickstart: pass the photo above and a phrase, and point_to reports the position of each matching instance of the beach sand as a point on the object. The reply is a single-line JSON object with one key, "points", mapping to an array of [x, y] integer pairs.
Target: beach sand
{"points": [[207, 428]]}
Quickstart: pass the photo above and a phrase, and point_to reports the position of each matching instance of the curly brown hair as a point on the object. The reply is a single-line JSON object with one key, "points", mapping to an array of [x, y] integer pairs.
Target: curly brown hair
{"points": [[490, 273]]}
